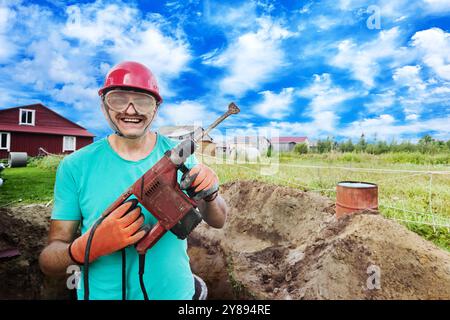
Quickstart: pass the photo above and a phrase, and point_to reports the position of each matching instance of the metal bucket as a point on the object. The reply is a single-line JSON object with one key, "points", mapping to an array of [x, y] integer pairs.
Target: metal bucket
{"points": [[17, 159], [352, 196]]}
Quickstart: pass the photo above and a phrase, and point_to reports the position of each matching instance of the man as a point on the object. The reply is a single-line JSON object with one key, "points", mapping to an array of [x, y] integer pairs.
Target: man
{"points": [[89, 180]]}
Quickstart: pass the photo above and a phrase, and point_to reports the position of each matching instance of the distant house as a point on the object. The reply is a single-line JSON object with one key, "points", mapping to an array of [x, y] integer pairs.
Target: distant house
{"points": [[31, 127], [285, 144], [259, 142], [207, 145], [222, 149]]}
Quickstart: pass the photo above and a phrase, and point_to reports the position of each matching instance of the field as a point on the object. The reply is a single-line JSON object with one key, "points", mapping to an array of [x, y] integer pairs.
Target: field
{"points": [[417, 195], [414, 189]]}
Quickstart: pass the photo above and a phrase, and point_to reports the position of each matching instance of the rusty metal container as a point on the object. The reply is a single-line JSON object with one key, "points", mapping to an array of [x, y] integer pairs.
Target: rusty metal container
{"points": [[352, 196]]}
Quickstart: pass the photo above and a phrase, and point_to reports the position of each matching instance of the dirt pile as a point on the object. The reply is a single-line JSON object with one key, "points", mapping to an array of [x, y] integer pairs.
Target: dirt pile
{"points": [[282, 243], [25, 228], [278, 243]]}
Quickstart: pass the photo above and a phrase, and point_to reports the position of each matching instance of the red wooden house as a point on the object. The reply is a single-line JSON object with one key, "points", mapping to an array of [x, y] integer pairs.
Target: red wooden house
{"points": [[28, 128]]}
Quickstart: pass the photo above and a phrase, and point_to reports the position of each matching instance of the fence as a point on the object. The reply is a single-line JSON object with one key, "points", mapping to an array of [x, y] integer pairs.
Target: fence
{"points": [[409, 196]]}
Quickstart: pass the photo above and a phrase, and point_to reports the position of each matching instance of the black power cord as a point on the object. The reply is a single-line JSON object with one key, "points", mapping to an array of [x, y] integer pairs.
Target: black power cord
{"points": [[88, 251], [141, 275], [124, 274], [86, 257]]}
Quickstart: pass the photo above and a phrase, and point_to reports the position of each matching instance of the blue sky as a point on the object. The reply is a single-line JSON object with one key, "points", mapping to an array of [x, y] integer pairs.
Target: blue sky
{"points": [[316, 68]]}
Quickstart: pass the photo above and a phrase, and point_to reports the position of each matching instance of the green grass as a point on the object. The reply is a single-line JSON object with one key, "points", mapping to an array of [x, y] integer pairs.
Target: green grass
{"points": [[30, 184], [47, 162], [393, 158], [402, 195]]}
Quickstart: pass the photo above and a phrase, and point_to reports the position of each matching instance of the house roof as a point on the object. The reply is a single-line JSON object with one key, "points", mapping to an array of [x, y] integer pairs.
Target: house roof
{"points": [[183, 132], [76, 130], [289, 139], [46, 130]]}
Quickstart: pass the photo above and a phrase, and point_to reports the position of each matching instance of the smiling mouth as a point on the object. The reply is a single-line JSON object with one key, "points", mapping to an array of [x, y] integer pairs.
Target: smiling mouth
{"points": [[131, 120]]}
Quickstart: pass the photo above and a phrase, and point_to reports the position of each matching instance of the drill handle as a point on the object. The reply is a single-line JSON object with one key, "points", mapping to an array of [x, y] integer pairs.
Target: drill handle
{"points": [[119, 201], [150, 238], [179, 154]]}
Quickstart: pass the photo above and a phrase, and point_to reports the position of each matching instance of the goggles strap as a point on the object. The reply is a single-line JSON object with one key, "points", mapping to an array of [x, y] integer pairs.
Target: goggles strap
{"points": [[111, 123]]}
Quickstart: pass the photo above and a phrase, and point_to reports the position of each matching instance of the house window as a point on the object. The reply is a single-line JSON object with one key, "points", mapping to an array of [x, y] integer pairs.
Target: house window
{"points": [[5, 141], [26, 117], [69, 143]]}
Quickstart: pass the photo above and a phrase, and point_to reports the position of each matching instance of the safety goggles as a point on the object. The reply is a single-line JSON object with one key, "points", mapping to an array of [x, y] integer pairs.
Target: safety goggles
{"points": [[119, 100]]}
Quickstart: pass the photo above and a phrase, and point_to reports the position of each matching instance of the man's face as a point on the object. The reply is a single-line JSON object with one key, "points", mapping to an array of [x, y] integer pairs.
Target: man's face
{"points": [[130, 111]]}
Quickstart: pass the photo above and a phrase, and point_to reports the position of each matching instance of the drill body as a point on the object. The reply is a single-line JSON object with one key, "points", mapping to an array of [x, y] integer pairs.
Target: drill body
{"points": [[158, 191]]}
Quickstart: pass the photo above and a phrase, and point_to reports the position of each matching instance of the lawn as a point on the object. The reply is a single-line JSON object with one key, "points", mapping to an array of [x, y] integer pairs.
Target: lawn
{"points": [[26, 185]]}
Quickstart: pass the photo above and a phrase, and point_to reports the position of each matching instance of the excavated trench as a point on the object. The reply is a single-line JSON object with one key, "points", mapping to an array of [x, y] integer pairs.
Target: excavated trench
{"points": [[283, 243], [278, 243]]}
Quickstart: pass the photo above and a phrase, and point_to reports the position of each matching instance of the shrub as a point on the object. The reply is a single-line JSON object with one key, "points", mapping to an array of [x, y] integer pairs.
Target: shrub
{"points": [[47, 162], [301, 148]]}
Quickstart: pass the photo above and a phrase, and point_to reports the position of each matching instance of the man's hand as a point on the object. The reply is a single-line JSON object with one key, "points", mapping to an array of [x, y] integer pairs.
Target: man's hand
{"points": [[117, 231], [201, 182]]}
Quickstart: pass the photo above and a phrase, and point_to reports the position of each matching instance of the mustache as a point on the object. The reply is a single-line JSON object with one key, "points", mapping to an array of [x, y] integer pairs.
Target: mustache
{"points": [[136, 116]]}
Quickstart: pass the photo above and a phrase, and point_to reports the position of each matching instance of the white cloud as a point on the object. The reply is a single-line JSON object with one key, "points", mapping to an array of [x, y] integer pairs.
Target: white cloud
{"points": [[275, 105], [326, 101], [397, 10], [381, 101], [409, 76], [81, 98], [412, 116], [434, 45], [252, 59], [324, 95], [363, 60], [96, 23], [233, 19], [437, 6], [186, 112], [324, 22], [386, 127], [7, 48], [130, 38], [65, 59]]}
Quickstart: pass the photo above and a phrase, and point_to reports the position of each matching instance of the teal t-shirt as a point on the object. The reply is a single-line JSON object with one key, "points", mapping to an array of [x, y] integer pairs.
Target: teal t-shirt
{"points": [[87, 182]]}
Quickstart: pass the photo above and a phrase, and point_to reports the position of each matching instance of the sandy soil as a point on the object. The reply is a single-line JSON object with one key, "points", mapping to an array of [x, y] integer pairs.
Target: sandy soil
{"points": [[282, 243], [26, 228], [278, 243]]}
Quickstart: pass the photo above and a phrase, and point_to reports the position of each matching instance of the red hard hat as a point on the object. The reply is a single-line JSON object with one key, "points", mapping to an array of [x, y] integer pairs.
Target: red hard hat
{"points": [[129, 74]]}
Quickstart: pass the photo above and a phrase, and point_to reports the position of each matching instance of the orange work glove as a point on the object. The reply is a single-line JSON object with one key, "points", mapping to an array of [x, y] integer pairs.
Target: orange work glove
{"points": [[201, 182], [117, 230]]}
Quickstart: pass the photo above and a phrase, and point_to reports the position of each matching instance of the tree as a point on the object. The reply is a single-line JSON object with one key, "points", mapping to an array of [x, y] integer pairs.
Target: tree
{"points": [[269, 151], [426, 139], [301, 148], [428, 145], [347, 146], [324, 146], [362, 144]]}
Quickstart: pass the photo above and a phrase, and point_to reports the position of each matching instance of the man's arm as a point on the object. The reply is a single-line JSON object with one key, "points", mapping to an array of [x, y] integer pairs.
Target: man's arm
{"points": [[215, 212], [55, 258], [204, 178]]}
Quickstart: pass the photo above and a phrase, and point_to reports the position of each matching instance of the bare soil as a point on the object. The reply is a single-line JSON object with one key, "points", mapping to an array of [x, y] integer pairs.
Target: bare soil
{"points": [[26, 228], [283, 243], [278, 243]]}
